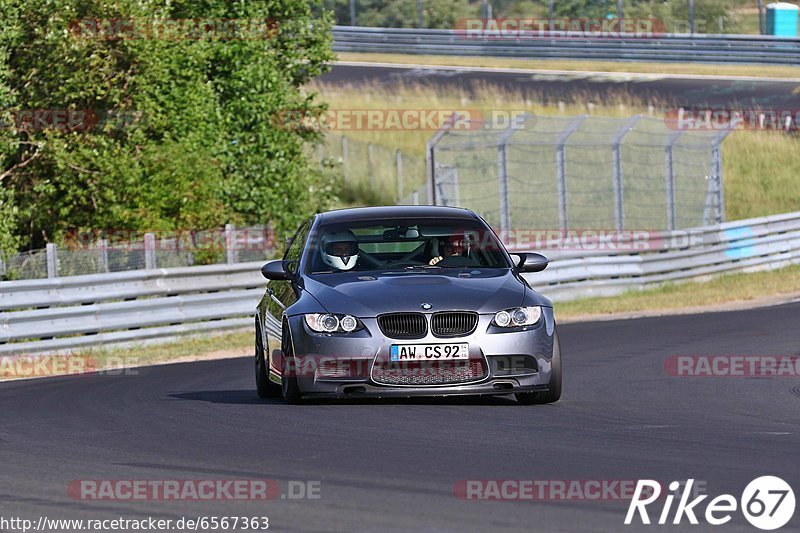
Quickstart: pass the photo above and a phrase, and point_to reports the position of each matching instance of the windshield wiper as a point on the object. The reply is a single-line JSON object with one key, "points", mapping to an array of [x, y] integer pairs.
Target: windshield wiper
{"points": [[423, 267]]}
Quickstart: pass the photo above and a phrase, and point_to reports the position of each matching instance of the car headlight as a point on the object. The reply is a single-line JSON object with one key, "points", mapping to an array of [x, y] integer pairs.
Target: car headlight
{"points": [[518, 316], [330, 323]]}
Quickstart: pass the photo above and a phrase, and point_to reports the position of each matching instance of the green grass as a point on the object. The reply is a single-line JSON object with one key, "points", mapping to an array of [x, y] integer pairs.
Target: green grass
{"points": [[113, 359]]}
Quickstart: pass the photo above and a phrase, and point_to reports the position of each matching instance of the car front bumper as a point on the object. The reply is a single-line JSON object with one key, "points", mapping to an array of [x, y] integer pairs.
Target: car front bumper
{"points": [[342, 366]]}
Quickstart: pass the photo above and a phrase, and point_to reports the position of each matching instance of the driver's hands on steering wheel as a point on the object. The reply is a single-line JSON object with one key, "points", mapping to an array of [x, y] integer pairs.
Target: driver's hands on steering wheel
{"points": [[435, 260]]}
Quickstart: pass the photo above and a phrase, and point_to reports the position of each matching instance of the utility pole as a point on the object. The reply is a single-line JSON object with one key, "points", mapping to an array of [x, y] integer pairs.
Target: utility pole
{"points": [[552, 16], [619, 10], [420, 14], [761, 26], [691, 17], [352, 12], [484, 9]]}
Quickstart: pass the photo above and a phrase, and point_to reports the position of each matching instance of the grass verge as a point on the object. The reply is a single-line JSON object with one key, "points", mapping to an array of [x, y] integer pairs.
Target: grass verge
{"points": [[707, 69], [112, 360]]}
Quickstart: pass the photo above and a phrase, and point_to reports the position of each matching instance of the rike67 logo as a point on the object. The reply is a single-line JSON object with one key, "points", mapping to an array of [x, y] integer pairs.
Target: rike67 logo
{"points": [[767, 503]]}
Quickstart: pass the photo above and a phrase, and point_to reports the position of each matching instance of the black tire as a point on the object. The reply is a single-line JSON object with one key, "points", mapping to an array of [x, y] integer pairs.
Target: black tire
{"points": [[553, 394], [264, 387], [289, 386]]}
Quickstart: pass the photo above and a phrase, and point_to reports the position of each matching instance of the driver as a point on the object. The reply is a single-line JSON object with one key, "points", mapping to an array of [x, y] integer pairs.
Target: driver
{"points": [[454, 247], [339, 249]]}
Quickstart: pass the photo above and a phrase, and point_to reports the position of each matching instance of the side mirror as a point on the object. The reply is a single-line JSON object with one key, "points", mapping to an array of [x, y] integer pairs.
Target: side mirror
{"points": [[276, 271], [531, 262]]}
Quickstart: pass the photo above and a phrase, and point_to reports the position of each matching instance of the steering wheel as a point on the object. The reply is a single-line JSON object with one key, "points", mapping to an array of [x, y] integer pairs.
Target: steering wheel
{"points": [[415, 252], [369, 259]]}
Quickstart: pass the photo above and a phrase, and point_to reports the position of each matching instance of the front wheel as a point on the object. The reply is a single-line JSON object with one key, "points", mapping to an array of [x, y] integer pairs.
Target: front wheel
{"points": [[264, 387], [553, 394]]}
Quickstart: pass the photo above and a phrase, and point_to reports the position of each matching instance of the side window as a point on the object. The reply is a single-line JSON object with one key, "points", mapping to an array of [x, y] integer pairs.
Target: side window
{"points": [[295, 249]]}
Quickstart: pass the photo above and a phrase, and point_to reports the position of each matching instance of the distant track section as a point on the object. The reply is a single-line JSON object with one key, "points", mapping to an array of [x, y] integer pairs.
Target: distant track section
{"points": [[680, 48]]}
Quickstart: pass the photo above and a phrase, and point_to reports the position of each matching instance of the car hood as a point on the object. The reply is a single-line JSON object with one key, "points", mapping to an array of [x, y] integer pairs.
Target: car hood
{"points": [[371, 294]]}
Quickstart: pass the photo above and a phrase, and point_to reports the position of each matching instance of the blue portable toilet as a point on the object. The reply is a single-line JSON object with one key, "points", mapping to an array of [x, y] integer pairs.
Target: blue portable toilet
{"points": [[782, 19]]}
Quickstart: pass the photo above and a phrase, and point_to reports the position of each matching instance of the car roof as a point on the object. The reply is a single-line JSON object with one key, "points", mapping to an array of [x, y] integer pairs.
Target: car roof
{"points": [[395, 212]]}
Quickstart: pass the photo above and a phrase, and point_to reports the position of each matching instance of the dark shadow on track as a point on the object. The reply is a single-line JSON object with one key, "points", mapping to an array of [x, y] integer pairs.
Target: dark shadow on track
{"points": [[249, 397]]}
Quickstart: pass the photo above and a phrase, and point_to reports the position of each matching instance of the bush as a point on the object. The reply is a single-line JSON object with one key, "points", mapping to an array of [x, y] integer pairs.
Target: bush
{"points": [[180, 131]]}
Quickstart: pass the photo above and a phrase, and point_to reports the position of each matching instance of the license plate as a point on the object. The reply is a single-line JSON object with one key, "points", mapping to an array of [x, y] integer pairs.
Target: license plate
{"points": [[430, 352]]}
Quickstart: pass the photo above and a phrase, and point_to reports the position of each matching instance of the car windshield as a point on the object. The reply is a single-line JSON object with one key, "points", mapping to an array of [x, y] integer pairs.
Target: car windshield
{"points": [[428, 245]]}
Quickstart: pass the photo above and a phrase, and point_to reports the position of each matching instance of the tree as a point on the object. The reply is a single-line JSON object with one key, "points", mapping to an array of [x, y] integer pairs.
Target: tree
{"points": [[171, 130]]}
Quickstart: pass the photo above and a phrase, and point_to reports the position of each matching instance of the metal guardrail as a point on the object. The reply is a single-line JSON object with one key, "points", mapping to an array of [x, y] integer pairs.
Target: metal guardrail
{"points": [[668, 47], [758, 244], [101, 309], [50, 315]]}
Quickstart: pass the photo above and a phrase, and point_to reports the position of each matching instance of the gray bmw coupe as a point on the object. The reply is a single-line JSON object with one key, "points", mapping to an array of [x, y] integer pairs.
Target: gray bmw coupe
{"points": [[404, 301]]}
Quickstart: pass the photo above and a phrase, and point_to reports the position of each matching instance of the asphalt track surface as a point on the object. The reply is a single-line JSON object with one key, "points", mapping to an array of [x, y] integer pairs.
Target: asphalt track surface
{"points": [[392, 465], [663, 90]]}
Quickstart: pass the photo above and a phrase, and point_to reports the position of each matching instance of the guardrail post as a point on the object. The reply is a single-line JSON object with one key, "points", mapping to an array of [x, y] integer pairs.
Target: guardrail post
{"points": [[150, 251], [52, 260], [399, 166], [230, 244], [561, 171], [102, 244], [619, 202]]}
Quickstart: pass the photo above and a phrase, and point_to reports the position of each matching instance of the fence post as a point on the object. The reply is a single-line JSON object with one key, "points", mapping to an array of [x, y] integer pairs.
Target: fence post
{"points": [[52, 260], [2, 267], [717, 166], [150, 251], [399, 166], [561, 170], [230, 244], [502, 174], [415, 197], [344, 158], [103, 245], [430, 156], [371, 165], [619, 202], [669, 176]]}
